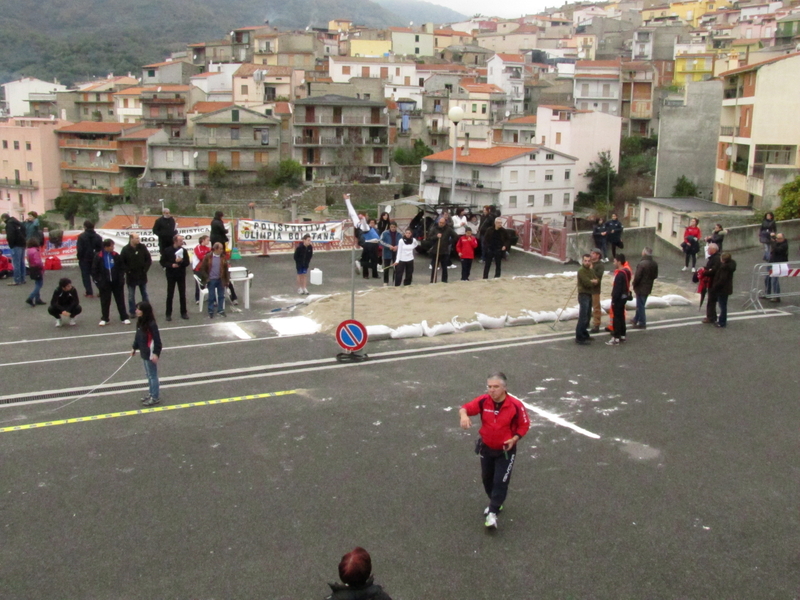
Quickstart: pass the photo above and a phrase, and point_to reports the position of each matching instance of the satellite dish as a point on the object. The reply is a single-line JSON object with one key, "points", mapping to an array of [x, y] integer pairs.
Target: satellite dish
{"points": [[424, 167], [728, 151], [159, 89], [385, 111], [99, 153], [388, 209], [195, 155], [410, 23], [194, 56]]}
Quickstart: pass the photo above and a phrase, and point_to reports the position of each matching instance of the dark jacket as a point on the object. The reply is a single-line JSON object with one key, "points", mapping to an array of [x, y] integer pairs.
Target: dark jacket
{"points": [[767, 227], [15, 233], [205, 269], [620, 289], [779, 251], [147, 341], [136, 262], [64, 301], [599, 271], [710, 270], [368, 591], [585, 276], [302, 255], [89, 244], [723, 282], [598, 229], [104, 277], [487, 223], [614, 229], [218, 232], [495, 239], [448, 238], [168, 258], [165, 229], [646, 274], [718, 238]]}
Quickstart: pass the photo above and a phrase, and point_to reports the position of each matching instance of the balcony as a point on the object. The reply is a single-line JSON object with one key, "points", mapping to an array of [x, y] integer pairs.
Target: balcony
{"points": [[249, 144], [330, 120], [479, 186], [90, 166], [166, 120], [339, 141], [202, 164], [641, 110], [19, 184], [161, 101], [77, 189], [87, 144], [438, 130], [729, 131]]}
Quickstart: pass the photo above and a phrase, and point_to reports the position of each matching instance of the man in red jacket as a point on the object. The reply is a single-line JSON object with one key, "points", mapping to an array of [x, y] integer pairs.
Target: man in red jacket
{"points": [[504, 421]]}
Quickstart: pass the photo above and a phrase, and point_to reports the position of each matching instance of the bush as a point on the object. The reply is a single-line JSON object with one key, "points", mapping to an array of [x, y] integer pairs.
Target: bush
{"points": [[290, 172], [407, 190], [413, 155], [790, 201], [684, 188], [217, 174]]}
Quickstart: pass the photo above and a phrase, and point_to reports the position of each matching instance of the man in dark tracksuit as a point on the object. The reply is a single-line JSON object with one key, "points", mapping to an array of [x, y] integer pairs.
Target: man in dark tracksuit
{"points": [[89, 244], [504, 421], [64, 302], [710, 272], [620, 294], [109, 277], [175, 259], [15, 238]]}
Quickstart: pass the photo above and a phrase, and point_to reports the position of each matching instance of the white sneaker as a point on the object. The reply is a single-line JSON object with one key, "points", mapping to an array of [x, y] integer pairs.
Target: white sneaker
{"points": [[685, 269], [72, 322], [58, 322], [612, 342], [103, 323], [380, 268], [694, 270], [126, 322], [430, 267], [305, 291], [491, 520], [453, 267], [299, 291], [358, 267]]}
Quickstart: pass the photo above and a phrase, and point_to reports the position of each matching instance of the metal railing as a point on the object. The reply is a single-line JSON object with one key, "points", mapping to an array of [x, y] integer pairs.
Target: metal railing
{"points": [[475, 185], [729, 131], [767, 282], [23, 184]]}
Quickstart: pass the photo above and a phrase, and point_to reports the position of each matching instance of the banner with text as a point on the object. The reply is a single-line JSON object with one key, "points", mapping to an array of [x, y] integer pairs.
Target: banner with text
{"points": [[269, 231]]}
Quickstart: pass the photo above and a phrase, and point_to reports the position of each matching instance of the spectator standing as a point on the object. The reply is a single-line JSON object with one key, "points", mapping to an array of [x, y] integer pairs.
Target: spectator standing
{"points": [[723, 286], [709, 276], [646, 274], [89, 244], [778, 253], [487, 223], [64, 303], [109, 276], [404, 263], [620, 293], [203, 247], [390, 239], [36, 271], [215, 273], [691, 245], [355, 571], [441, 238], [148, 343], [136, 261], [15, 238], [384, 221], [600, 237], [586, 282], [614, 234], [175, 259], [219, 233], [717, 236], [302, 262], [599, 271], [369, 257], [768, 228], [165, 229], [32, 228], [496, 243], [465, 246]]}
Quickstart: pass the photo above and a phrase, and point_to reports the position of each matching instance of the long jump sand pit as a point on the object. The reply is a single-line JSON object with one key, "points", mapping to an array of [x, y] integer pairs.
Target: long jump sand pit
{"points": [[439, 303]]}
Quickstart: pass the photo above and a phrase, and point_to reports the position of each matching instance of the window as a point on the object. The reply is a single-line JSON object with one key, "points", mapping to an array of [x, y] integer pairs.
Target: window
{"points": [[604, 107], [151, 72], [185, 158], [548, 175], [234, 133], [27, 145], [606, 90], [416, 50], [235, 116], [110, 112], [421, 81], [245, 90], [566, 198], [514, 175], [676, 224], [476, 174], [416, 38], [263, 134], [483, 109], [548, 199], [397, 71], [170, 156], [16, 145], [262, 158], [5, 144], [30, 166], [532, 156], [346, 70], [549, 156], [512, 202], [584, 89], [544, 139], [531, 176], [474, 109], [558, 137], [567, 174], [531, 199]]}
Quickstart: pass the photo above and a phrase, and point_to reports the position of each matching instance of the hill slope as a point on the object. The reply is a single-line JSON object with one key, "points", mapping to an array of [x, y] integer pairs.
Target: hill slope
{"points": [[421, 12]]}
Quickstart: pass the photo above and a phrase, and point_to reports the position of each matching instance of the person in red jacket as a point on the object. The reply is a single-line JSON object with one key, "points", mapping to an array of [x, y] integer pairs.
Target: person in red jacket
{"points": [[504, 421], [466, 252], [691, 244]]}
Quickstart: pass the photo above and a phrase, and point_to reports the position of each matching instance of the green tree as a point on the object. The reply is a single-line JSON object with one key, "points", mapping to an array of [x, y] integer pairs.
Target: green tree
{"points": [[131, 190], [290, 172], [413, 155], [217, 174], [77, 205], [684, 188], [602, 178], [790, 201]]}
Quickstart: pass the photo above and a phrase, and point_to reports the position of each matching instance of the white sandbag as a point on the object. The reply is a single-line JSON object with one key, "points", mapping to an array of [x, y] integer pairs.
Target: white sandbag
{"points": [[379, 332], [407, 331], [676, 300], [524, 319], [605, 304], [630, 305], [438, 329], [464, 326], [656, 302], [491, 322], [567, 314], [543, 316]]}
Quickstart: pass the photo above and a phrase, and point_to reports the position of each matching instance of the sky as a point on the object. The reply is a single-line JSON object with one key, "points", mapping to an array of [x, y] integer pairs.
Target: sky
{"points": [[507, 9]]}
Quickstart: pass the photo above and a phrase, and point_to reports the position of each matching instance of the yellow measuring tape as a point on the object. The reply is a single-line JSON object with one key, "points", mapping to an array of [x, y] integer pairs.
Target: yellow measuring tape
{"points": [[144, 411]]}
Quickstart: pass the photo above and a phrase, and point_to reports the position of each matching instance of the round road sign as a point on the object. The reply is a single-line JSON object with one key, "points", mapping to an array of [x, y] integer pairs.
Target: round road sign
{"points": [[351, 335]]}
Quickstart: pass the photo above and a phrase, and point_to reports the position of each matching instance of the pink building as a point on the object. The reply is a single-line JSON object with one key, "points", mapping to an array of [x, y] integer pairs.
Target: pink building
{"points": [[30, 175]]}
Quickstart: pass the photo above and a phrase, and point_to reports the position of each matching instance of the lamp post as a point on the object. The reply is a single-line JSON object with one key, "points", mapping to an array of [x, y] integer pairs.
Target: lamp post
{"points": [[455, 114]]}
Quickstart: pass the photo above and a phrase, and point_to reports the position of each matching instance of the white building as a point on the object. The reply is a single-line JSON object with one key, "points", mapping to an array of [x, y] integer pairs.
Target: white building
{"points": [[17, 93], [598, 86], [507, 71], [533, 180], [341, 69]]}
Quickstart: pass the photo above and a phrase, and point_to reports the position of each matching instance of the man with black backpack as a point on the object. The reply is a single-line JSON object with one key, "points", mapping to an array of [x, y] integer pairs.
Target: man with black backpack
{"points": [[504, 421]]}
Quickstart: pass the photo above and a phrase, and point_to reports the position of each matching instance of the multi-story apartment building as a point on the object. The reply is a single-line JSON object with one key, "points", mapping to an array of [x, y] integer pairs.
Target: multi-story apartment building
{"points": [[89, 159], [507, 71], [169, 72], [18, 94], [30, 177], [759, 132], [598, 86], [444, 38], [519, 130], [523, 38], [639, 98], [691, 11], [341, 138], [254, 85], [298, 50], [534, 180], [342, 69], [95, 101], [164, 106], [483, 104], [203, 54], [411, 42], [787, 32], [693, 67]]}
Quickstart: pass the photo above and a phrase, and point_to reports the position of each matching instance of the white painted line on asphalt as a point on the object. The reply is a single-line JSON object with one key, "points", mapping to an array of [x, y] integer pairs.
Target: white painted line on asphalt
{"points": [[559, 421], [239, 332]]}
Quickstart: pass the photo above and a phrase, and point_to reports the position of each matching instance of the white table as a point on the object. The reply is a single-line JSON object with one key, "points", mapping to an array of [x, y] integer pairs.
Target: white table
{"points": [[238, 275]]}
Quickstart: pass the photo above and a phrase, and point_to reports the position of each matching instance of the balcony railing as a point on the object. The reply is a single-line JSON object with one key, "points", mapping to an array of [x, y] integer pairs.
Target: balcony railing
{"points": [[249, 144], [90, 166], [729, 131], [242, 165], [20, 184], [78, 189], [340, 141], [330, 120], [729, 93], [439, 130], [87, 144], [475, 185], [146, 100]]}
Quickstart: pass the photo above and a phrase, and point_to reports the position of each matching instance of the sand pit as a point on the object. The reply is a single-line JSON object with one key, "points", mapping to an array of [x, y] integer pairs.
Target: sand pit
{"points": [[439, 303]]}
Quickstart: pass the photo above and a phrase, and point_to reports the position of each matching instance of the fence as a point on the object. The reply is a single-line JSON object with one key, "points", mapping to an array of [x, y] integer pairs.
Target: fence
{"points": [[781, 276], [540, 238]]}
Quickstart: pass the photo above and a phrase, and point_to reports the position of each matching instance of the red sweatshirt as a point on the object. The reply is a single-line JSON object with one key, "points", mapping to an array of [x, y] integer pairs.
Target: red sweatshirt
{"points": [[200, 251], [691, 231], [510, 420], [466, 246]]}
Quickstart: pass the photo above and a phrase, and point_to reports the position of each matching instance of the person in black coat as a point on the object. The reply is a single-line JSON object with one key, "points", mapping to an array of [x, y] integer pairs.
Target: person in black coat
{"points": [[722, 286], [646, 274], [136, 261], [355, 571], [600, 237], [442, 237], [614, 234], [778, 253], [15, 238], [710, 272], [64, 302], [496, 243], [109, 277], [165, 229], [219, 233], [302, 261], [175, 259], [620, 294], [89, 244]]}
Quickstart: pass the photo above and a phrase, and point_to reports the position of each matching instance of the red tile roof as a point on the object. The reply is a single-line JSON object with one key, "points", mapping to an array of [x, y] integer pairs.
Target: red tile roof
{"points": [[755, 66], [596, 76], [142, 134], [482, 156], [482, 88], [283, 108], [445, 67], [208, 107], [556, 107], [401, 29], [597, 63], [163, 64], [531, 119], [95, 127], [450, 32], [247, 69], [515, 58]]}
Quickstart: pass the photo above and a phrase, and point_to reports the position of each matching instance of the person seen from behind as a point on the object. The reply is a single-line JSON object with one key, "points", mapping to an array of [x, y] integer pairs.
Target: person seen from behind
{"points": [[722, 286], [355, 572], [778, 253]]}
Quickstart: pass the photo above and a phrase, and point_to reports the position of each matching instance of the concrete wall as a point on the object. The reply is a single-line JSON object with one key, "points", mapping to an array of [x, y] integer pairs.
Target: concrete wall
{"points": [[687, 140], [634, 238], [774, 179], [740, 238]]}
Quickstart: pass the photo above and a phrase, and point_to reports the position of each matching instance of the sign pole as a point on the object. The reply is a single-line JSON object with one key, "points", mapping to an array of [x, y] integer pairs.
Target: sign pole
{"points": [[353, 275]]}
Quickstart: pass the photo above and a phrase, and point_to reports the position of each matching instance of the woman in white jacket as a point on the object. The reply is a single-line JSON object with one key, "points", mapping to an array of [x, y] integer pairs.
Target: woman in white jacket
{"points": [[404, 267]]}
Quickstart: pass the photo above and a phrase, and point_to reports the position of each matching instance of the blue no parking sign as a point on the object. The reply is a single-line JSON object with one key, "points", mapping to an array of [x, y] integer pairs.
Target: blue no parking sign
{"points": [[351, 335]]}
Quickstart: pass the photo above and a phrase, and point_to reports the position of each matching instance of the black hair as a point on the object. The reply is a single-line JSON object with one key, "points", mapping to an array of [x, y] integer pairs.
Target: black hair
{"points": [[107, 243], [64, 282], [147, 315]]}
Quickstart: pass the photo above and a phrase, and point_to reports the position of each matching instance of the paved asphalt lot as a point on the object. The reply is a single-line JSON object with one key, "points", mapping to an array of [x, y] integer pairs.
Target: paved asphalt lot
{"points": [[688, 490]]}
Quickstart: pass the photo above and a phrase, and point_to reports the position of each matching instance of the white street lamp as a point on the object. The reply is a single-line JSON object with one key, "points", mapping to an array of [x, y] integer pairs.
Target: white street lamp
{"points": [[455, 114]]}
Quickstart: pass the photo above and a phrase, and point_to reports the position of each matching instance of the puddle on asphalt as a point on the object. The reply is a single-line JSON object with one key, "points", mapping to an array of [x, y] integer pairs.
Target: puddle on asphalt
{"points": [[639, 451]]}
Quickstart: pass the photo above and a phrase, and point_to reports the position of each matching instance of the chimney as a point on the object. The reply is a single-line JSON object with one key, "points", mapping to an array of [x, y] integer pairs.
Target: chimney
{"points": [[465, 151]]}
